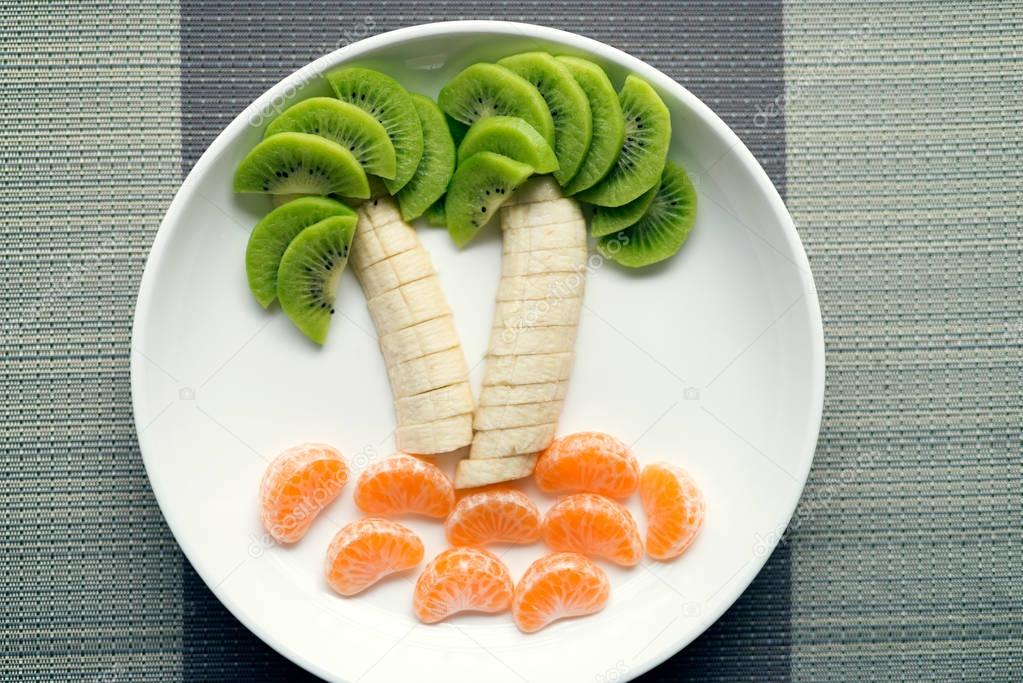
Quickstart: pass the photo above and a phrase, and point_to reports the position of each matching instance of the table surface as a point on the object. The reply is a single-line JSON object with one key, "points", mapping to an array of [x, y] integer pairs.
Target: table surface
{"points": [[892, 129]]}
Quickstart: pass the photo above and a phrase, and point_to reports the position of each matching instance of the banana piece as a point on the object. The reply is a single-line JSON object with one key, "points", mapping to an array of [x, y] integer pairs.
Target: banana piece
{"points": [[537, 189], [518, 415], [501, 443], [515, 370], [532, 340], [515, 394], [551, 236], [440, 436], [541, 286], [425, 363], [515, 315], [549, 212], [472, 473], [538, 262]]}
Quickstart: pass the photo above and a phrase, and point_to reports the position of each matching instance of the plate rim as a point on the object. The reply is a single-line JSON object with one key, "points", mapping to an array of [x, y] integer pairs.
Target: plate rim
{"points": [[591, 46]]}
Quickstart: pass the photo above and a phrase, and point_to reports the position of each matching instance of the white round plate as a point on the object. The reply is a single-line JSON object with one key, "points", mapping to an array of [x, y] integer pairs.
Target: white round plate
{"points": [[714, 360]]}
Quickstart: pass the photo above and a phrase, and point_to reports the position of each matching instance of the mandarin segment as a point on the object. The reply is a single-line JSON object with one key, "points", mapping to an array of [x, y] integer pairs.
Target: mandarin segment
{"points": [[590, 462], [460, 580], [366, 551], [556, 587], [494, 516], [299, 483], [674, 507], [593, 525], [404, 484]]}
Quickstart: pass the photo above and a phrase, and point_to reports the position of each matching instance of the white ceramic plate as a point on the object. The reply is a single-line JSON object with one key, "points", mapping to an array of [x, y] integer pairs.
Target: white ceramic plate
{"points": [[714, 360]]}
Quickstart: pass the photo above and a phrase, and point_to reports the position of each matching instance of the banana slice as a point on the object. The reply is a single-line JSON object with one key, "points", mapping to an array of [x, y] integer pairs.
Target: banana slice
{"points": [[387, 275], [515, 370], [427, 373], [515, 394], [501, 443], [408, 305], [518, 415], [440, 436], [434, 405], [542, 286], [550, 212], [372, 245], [532, 340], [538, 262], [538, 189], [549, 236], [472, 473], [516, 315], [438, 334]]}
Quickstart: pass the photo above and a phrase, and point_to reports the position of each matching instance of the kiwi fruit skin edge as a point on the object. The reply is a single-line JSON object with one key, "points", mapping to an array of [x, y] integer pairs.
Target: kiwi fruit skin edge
{"points": [[512, 137], [480, 185], [609, 219], [300, 163], [436, 166]]}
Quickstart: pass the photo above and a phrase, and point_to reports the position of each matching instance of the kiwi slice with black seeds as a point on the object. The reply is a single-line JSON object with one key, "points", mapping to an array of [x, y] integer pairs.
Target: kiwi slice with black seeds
{"points": [[300, 163], [310, 271], [609, 219], [483, 90], [480, 185], [436, 165], [608, 123], [435, 215], [568, 104], [641, 159], [512, 137], [272, 235], [345, 124], [664, 227], [389, 103]]}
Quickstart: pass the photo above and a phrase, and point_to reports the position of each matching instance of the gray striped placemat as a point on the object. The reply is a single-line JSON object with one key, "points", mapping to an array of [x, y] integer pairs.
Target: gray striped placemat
{"points": [[891, 130]]}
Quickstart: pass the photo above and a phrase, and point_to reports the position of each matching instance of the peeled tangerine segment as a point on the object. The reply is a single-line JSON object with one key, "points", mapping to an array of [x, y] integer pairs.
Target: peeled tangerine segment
{"points": [[472, 473], [272, 235], [511, 137], [345, 124], [568, 104], [483, 90], [493, 516], [591, 462], [674, 508], [593, 525], [436, 166], [300, 163], [297, 485], [480, 185], [366, 551], [403, 484], [608, 123], [556, 587], [611, 219], [641, 159], [663, 228], [387, 101], [310, 271], [461, 580]]}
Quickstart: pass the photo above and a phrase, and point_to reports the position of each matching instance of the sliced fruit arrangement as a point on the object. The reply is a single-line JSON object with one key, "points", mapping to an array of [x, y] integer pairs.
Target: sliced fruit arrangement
{"points": [[296, 486], [366, 551], [556, 587], [461, 580]]}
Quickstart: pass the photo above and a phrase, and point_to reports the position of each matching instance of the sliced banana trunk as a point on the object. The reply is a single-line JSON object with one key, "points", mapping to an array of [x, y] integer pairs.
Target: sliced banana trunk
{"points": [[424, 358], [532, 342]]}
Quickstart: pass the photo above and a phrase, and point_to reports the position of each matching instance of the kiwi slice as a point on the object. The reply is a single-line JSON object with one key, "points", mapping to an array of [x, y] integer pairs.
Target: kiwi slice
{"points": [[569, 107], [436, 165], [345, 124], [609, 219], [272, 235], [480, 185], [299, 163], [435, 215], [484, 90], [664, 227], [647, 136], [310, 271], [457, 129], [608, 123], [384, 99], [512, 137]]}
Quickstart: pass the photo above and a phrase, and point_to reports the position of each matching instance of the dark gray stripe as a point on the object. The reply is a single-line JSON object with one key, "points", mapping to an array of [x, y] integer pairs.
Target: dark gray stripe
{"points": [[729, 55]]}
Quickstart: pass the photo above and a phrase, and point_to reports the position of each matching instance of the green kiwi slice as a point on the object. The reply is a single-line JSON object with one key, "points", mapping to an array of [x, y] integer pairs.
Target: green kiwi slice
{"points": [[299, 163], [384, 99], [569, 107], [310, 271], [457, 128], [609, 219], [436, 165], [662, 230], [435, 215], [484, 90], [512, 137], [608, 123], [641, 160], [272, 235], [480, 185], [345, 124]]}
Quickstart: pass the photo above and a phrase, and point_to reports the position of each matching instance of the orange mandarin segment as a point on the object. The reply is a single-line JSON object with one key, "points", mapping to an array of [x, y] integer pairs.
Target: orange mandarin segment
{"points": [[494, 516], [590, 462], [558, 586], [299, 483], [366, 551], [461, 580], [674, 508], [404, 484], [593, 525]]}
